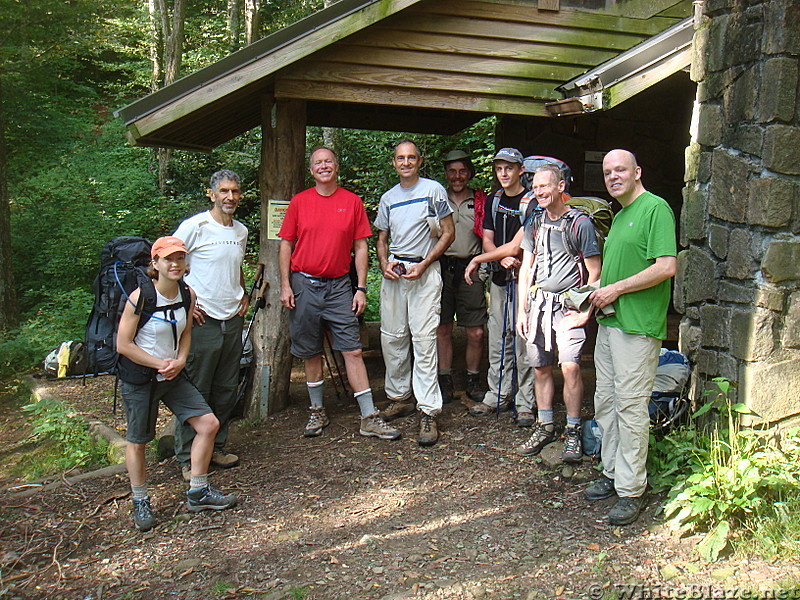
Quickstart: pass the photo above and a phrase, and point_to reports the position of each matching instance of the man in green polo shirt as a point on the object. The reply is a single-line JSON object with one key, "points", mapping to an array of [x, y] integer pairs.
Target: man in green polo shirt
{"points": [[638, 262]]}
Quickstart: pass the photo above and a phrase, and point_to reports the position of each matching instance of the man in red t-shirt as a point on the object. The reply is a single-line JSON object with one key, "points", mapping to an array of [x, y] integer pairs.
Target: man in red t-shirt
{"points": [[323, 228]]}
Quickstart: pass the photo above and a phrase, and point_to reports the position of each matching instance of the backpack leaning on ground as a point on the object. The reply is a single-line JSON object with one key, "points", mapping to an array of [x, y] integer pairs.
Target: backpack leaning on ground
{"points": [[123, 269]]}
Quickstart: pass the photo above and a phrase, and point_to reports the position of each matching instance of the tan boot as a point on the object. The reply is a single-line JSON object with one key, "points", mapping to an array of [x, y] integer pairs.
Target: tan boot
{"points": [[428, 430]]}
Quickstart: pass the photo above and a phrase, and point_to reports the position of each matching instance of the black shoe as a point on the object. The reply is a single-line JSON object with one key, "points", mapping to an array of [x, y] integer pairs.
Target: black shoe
{"points": [[540, 437], [142, 514], [446, 388], [475, 388], [208, 498], [626, 510], [572, 452], [601, 489]]}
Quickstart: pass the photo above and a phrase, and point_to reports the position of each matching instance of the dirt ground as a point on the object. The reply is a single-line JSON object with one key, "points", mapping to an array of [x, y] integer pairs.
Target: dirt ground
{"points": [[341, 516]]}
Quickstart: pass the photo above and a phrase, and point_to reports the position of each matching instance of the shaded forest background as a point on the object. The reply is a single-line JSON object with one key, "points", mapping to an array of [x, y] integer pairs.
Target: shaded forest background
{"points": [[69, 180]]}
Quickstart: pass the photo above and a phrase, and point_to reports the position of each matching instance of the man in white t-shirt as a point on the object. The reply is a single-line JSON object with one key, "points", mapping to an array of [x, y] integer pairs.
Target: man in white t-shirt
{"points": [[215, 242], [417, 217]]}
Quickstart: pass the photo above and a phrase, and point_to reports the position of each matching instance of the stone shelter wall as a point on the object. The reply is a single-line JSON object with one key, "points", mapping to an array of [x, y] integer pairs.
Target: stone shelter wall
{"points": [[738, 282]]}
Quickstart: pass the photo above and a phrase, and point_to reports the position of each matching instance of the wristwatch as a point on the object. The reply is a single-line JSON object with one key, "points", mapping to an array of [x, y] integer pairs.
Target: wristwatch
{"points": [[361, 289]]}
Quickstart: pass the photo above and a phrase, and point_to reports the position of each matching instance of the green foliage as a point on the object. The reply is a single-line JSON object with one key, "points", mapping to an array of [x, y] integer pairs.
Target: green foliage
{"points": [[298, 593], [365, 157], [723, 479], [64, 439]]}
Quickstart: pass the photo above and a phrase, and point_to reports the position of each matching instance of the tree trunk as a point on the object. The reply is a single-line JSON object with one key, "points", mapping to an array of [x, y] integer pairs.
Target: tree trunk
{"points": [[281, 175], [9, 312], [252, 20], [166, 56], [234, 24]]}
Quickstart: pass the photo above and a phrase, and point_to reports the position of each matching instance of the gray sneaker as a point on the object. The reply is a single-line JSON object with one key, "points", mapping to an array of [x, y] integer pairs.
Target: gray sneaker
{"points": [[317, 421], [142, 514], [572, 452], [374, 426], [208, 498], [540, 437], [626, 510], [399, 409]]}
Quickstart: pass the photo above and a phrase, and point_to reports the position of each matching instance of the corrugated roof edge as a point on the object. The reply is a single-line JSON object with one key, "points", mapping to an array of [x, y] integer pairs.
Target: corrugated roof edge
{"points": [[185, 85]]}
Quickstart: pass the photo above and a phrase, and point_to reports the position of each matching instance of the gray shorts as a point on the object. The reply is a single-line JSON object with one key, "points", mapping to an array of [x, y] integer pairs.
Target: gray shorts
{"points": [[318, 302], [141, 405], [568, 344], [466, 303]]}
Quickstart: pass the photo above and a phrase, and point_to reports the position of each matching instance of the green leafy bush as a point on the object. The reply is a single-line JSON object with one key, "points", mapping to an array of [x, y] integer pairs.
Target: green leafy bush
{"points": [[64, 441], [724, 479]]}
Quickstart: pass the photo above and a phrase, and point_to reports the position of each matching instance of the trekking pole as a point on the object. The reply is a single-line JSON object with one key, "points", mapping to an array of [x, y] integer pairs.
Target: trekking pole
{"points": [[259, 283], [502, 353], [515, 366], [326, 342], [335, 360]]}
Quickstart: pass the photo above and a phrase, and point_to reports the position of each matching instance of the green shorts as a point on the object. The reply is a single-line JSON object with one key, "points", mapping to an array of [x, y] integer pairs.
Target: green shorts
{"points": [[141, 405]]}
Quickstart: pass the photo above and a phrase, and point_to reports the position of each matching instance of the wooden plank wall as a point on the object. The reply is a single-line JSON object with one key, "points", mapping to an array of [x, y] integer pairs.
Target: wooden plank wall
{"points": [[482, 56]]}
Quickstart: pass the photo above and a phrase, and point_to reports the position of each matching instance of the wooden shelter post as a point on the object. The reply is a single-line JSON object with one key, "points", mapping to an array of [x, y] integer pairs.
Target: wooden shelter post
{"points": [[281, 175]]}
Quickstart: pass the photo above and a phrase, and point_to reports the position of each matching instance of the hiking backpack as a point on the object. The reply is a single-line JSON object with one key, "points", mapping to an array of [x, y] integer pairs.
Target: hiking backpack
{"points": [[123, 269], [531, 163], [597, 210]]}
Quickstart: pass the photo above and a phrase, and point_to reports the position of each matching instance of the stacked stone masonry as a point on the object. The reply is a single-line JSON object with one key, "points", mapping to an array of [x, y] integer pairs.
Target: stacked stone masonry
{"points": [[738, 282]]}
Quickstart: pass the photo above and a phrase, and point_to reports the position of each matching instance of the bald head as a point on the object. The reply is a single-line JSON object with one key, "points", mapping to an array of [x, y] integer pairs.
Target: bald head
{"points": [[623, 176]]}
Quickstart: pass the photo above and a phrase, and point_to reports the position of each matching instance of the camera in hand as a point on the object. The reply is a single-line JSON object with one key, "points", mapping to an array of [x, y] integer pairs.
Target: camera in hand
{"points": [[399, 269]]}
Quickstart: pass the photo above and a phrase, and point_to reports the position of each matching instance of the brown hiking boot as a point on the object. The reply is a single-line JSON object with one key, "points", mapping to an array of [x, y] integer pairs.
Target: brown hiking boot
{"points": [[224, 460], [481, 409], [317, 421], [374, 426], [399, 409], [428, 431]]}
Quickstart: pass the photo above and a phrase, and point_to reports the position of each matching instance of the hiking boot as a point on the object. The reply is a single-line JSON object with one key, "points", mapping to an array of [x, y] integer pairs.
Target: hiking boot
{"points": [[428, 431], [601, 489], [186, 472], [540, 437], [208, 498], [317, 421], [224, 460], [398, 409], [481, 409], [572, 452], [142, 514], [525, 419], [374, 426], [476, 390], [626, 510], [446, 388]]}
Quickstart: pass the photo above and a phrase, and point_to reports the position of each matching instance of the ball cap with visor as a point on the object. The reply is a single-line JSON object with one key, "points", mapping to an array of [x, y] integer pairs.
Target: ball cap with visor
{"points": [[511, 155], [164, 246]]}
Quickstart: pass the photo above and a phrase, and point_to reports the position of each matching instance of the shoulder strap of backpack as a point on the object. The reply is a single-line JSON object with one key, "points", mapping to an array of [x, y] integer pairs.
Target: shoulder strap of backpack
{"points": [[495, 203]]}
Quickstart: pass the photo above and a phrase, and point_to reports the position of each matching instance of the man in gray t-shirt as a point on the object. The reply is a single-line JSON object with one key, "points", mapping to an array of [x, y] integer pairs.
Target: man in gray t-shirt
{"points": [[553, 333], [415, 215]]}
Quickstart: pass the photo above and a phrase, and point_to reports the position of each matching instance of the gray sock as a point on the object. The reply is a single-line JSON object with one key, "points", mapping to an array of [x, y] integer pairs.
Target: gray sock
{"points": [[198, 481], [573, 421], [315, 393], [139, 491], [444, 371], [545, 416], [365, 403]]}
